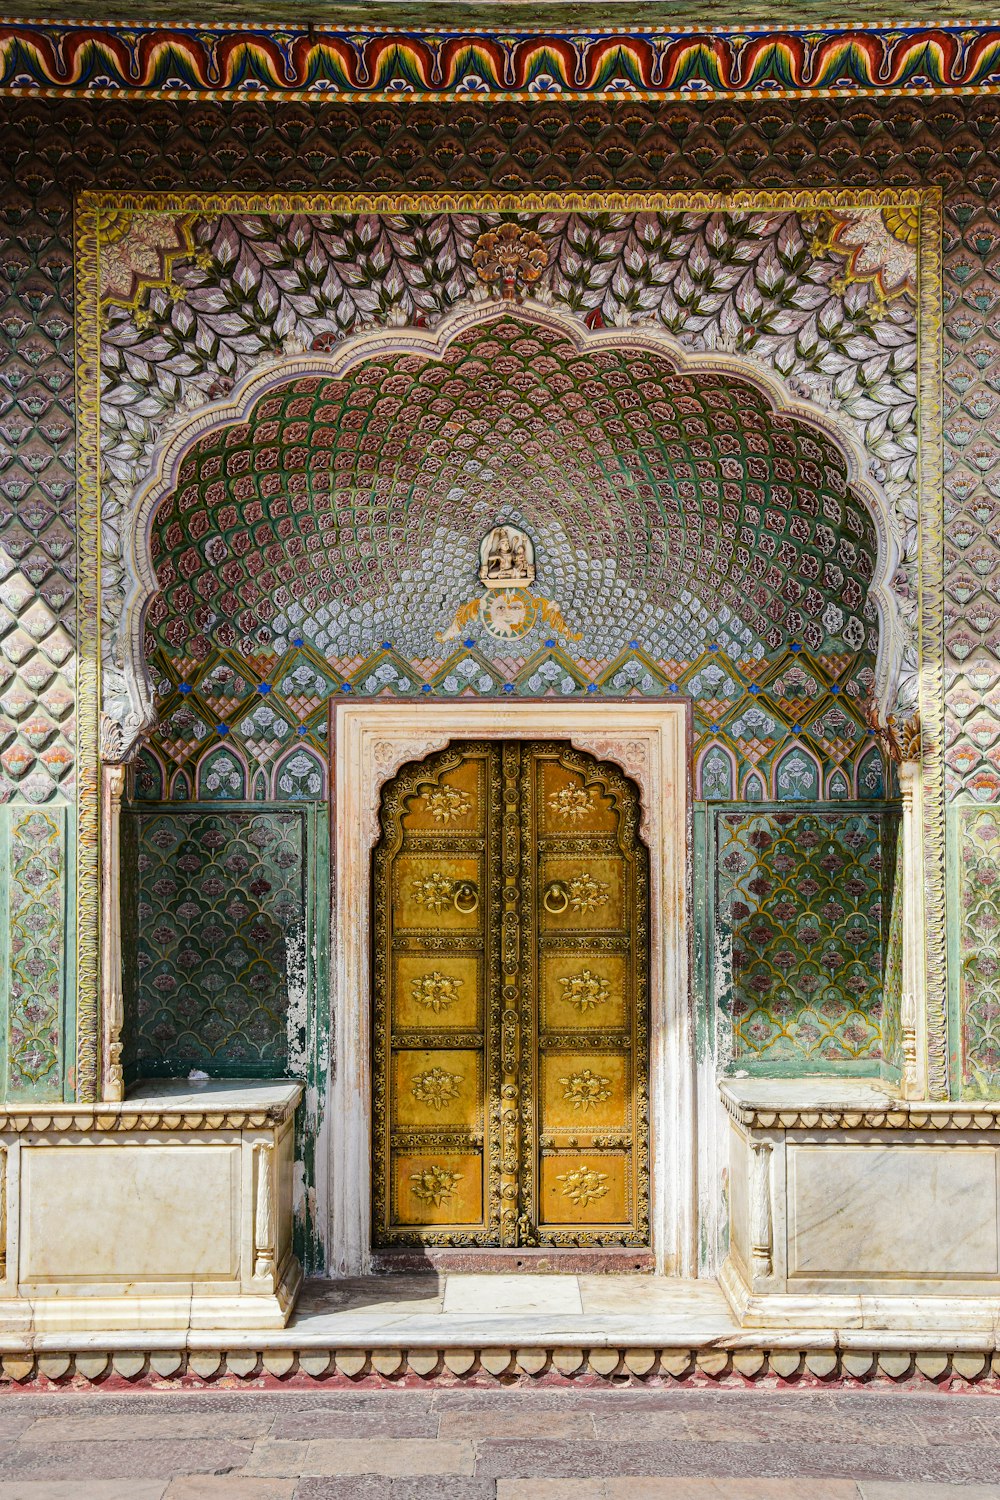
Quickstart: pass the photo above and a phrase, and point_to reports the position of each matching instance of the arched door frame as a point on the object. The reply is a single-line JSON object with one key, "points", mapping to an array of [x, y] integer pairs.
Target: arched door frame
{"points": [[648, 740]]}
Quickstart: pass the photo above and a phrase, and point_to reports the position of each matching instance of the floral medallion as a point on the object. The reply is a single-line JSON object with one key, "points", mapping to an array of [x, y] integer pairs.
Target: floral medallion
{"points": [[434, 1184], [436, 1087], [584, 1090], [436, 991], [583, 1185]]}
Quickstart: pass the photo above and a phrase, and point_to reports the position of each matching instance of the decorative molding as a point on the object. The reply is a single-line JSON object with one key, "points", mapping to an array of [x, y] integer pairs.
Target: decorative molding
{"points": [[104, 1119], [901, 1114], [850, 1357], [56, 58]]}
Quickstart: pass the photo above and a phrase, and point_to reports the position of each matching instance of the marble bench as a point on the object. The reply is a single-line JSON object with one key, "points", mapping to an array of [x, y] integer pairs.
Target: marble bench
{"points": [[849, 1207], [170, 1210]]}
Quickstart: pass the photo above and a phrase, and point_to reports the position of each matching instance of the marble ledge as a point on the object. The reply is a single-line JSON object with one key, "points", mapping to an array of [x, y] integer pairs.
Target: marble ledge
{"points": [[846, 1104], [167, 1104]]}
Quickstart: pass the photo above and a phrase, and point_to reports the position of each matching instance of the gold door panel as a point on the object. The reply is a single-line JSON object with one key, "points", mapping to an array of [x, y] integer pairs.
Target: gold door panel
{"points": [[441, 1090], [583, 1092], [435, 991], [437, 1189], [586, 1190], [582, 991], [436, 893], [582, 892], [510, 1042]]}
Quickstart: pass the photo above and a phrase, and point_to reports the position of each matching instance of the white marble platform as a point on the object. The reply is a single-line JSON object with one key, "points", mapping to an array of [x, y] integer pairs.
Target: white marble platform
{"points": [[519, 1309]]}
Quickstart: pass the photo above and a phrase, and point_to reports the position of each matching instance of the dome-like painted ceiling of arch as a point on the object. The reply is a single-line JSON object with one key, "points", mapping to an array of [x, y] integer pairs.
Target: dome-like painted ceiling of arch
{"points": [[672, 510]]}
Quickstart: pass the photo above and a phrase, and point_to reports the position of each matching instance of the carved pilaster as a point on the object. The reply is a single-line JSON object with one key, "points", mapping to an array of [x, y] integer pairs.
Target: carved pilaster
{"points": [[3, 1213], [264, 1266], [913, 1017], [112, 996], [761, 1219]]}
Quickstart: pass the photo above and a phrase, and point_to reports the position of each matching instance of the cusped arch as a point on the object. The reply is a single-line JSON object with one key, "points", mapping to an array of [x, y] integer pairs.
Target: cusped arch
{"points": [[698, 446]]}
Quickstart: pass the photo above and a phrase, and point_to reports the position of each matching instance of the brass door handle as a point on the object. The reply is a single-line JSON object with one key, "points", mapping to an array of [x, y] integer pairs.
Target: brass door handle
{"points": [[465, 897], [556, 898]]}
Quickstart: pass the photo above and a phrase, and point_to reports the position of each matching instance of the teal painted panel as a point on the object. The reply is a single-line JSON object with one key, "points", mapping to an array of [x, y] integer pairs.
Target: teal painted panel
{"points": [[800, 923], [36, 893], [974, 929], [217, 972]]}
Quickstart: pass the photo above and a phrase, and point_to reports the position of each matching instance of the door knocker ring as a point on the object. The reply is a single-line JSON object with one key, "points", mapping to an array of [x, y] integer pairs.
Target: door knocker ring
{"points": [[465, 897], [556, 898]]}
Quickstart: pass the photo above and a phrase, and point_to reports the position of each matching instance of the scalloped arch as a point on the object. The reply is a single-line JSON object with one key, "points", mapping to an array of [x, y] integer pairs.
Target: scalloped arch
{"points": [[615, 429]]}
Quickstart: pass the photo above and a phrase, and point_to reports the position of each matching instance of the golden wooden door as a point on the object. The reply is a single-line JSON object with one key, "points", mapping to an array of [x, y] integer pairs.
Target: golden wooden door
{"points": [[511, 1032]]}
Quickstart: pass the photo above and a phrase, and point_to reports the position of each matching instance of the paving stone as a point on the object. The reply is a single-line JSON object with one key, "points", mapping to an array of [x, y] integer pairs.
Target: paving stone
{"points": [[96, 1426], [974, 1463], [662, 1488], [382, 1487], [229, 1487], [676, 1488], [877, 1490], [521, 1423], [14, 1419], [154, 1459], [407, 1421], [73, 1489], [393, 1456]]}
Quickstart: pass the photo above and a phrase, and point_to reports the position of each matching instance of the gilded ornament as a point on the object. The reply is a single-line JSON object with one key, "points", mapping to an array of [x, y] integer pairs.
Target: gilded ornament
{"points": [[572, 802], [436, 991], [586, 893], [585, 990], [583, 1185], [434, 1184], [586, 1089], [447, 802], [512, 256], [436, 1087], [434, 891]]}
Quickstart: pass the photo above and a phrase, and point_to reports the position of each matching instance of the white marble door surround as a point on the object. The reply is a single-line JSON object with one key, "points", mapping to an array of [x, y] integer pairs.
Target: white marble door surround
{"points": [[647, 740]]}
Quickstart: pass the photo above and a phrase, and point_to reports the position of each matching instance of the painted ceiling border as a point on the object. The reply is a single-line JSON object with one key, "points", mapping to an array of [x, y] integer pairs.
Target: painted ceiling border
{"points": [[94, 207], [239, 61]]}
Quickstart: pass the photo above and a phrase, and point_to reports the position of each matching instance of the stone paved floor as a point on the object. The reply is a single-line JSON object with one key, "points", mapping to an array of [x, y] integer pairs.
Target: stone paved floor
{"points": [[518, 1444]]}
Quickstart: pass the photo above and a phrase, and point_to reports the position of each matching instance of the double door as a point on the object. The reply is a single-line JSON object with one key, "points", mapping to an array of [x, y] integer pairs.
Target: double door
{"points": [[511, 1037]]}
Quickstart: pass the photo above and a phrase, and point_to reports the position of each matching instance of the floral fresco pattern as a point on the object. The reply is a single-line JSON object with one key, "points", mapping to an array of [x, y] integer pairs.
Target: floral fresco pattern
{"points": [[802, 912], [979, 947], [37, 953], [218, 909]]}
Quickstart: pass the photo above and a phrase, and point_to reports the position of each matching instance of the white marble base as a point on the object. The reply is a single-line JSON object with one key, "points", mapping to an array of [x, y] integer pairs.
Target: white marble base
{"points": [[850, 1208], [171, 1210]]}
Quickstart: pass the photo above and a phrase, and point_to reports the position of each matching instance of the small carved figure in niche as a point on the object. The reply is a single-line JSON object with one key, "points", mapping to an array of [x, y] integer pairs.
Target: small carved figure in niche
{"points": [[506, 558]]}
